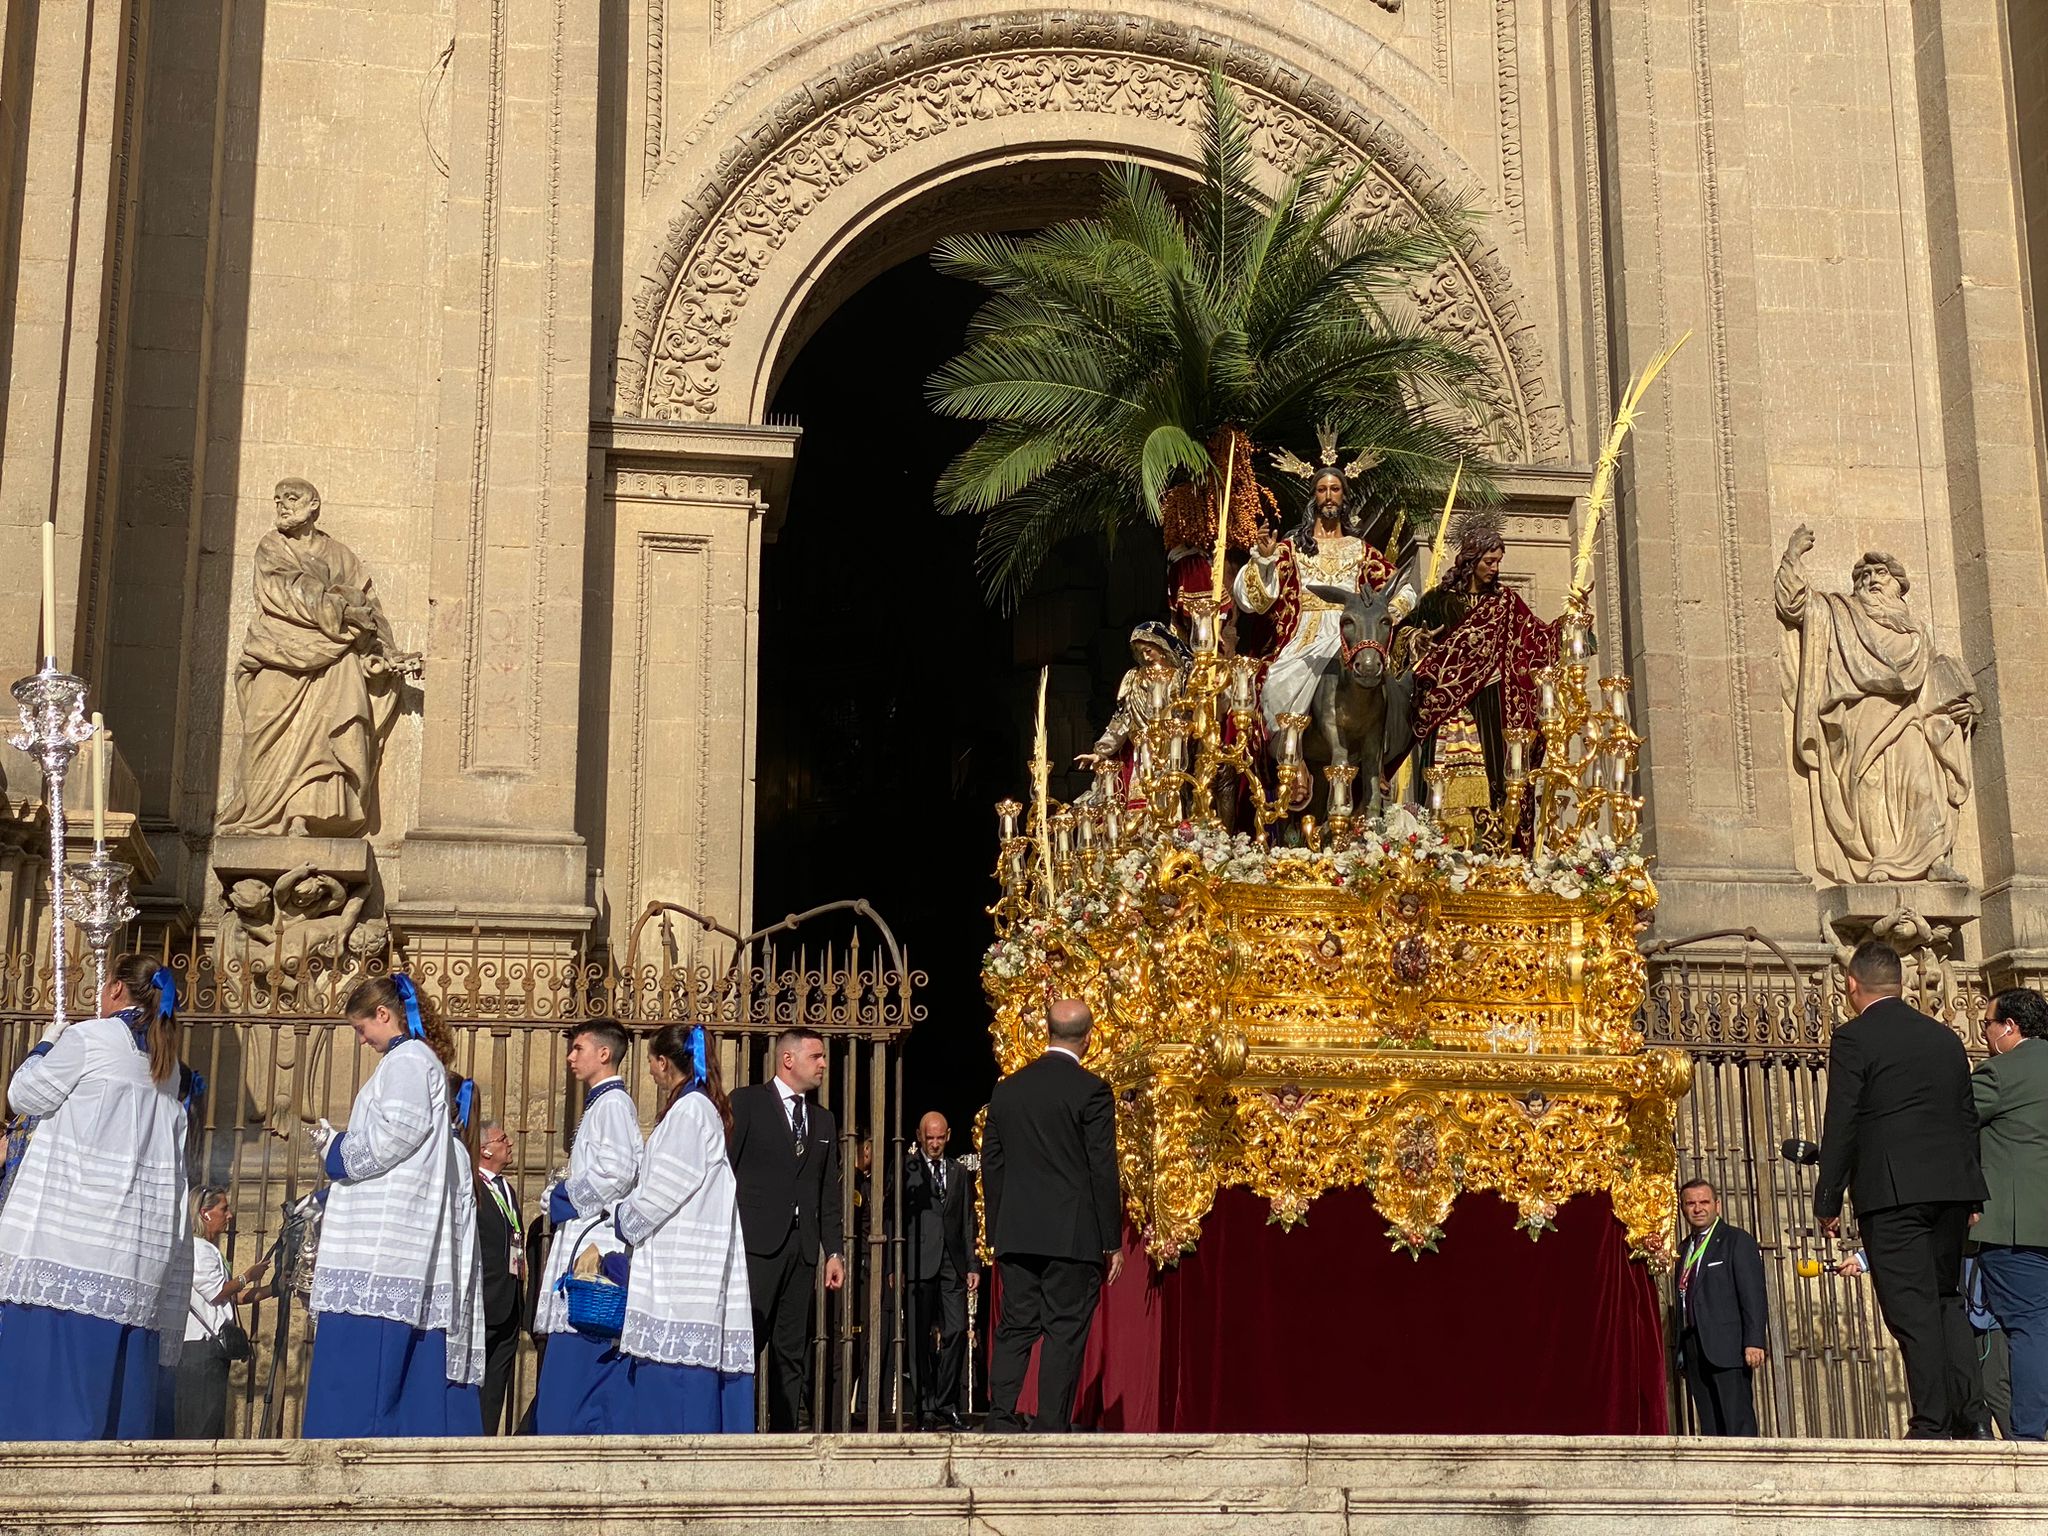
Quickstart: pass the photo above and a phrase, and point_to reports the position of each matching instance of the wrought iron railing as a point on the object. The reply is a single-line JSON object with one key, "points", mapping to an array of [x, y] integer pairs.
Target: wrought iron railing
{"points": [[275, 1054], [1756, 1023]]}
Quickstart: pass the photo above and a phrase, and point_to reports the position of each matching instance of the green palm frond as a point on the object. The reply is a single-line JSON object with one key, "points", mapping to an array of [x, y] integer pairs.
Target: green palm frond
{"points": [[1112, 349]]}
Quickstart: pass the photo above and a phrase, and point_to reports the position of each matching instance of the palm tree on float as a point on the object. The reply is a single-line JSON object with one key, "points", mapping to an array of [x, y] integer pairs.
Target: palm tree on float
{"points": [[1127, 365]]}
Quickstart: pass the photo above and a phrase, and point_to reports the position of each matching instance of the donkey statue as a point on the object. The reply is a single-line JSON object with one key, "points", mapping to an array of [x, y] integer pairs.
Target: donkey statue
{"points": [[1362, 708]]}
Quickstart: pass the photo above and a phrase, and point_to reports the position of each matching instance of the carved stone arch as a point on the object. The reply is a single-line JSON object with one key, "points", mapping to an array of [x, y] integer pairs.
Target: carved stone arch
{"points": [[696, 345]]}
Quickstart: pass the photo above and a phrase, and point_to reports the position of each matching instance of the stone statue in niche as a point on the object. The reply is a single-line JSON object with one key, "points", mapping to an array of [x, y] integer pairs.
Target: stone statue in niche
{"points": [[272, 935], [1881, 722], [318, 682]]}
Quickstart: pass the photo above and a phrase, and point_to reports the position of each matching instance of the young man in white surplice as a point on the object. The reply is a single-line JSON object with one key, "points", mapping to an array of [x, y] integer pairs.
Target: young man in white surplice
{"points": [[95, 1238], [387, 1284], [582, 1388], [689, 1334]]}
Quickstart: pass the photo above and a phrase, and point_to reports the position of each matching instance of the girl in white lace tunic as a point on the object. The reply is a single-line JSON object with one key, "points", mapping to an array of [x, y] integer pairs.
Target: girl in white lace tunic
{"points": [[388, 1284], [95, 1239], [689, 1321]]}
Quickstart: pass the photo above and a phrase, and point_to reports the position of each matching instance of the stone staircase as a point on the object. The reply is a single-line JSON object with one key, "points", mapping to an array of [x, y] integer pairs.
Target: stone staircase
{"points": [[1084, 1485]]}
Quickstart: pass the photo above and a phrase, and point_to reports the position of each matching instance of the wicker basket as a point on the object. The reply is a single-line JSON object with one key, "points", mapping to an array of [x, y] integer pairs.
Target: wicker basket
{"points": [[595, 1306]]}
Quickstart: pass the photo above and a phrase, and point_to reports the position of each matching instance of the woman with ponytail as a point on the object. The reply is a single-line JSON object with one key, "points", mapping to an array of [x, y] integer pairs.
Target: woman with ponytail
{"points": [[388, 1286], [95, 1238], [689, 1331]]}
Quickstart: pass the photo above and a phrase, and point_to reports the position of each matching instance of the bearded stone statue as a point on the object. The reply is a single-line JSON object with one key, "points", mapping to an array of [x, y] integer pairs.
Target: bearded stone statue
{"points": [[317, 681], [1881, 723]]}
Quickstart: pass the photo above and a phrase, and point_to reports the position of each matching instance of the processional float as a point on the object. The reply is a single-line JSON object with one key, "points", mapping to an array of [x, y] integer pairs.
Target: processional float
{"points": [[1368, 1001]]}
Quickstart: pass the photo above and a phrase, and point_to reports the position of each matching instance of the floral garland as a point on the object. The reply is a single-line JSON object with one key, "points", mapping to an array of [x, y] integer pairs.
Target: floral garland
{"points": [[1595, 867]]}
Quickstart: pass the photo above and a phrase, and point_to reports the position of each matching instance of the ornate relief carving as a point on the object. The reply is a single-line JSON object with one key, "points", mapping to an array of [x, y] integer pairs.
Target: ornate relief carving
{"points": [[777, 175], [655, 144], [1508, 88], [657, 485]]}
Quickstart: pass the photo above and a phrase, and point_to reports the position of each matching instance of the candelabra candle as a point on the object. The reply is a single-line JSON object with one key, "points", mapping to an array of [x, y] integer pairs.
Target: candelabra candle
{"points": [[1084, 830], [1156, 686], [1546, 695], [1062, 832], [1202, 613], [1177, 751], [1015, 853], [1244, 685], [1341, 779], [1435, 780], [1109, 777], [1289, 748], [1112, 823], [1576, 640], [1518, 753], [1617, 697], [1007, 812]]}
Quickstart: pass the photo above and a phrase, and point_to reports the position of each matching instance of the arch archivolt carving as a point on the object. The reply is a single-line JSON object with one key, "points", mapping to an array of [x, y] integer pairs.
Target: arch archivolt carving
{"points": [[1040, 82]]}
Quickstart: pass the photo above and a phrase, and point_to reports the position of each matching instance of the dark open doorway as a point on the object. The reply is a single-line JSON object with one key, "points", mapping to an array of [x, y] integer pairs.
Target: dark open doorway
{"points": [[895, 704]]}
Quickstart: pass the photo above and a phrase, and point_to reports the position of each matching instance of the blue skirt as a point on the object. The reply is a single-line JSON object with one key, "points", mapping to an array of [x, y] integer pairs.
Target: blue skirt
{"points": [[373, 1377], [688, 1400], [72, 1377], [582, 1388]]}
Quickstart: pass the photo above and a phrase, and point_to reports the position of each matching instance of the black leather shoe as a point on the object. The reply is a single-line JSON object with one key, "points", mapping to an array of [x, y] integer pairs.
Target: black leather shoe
{"points": [[951, 1420]]}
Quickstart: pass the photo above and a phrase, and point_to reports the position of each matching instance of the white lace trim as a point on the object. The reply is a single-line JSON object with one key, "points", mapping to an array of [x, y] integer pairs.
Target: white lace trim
{"points": [[356, 1159], [673, 1342], [116, 1298], [396, 1298]]}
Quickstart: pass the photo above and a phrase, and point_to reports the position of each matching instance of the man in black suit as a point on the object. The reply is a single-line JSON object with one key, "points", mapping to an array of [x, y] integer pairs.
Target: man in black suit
{"points": [[1901, 1136], [1721, 1318], [944, 1269], [1055, 1218], [501, 1248], [785, 1159]]}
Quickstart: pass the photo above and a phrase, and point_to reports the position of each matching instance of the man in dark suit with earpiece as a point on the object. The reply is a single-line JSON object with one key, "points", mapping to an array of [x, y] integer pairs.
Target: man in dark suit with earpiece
{"points": [[1901, 1138]]}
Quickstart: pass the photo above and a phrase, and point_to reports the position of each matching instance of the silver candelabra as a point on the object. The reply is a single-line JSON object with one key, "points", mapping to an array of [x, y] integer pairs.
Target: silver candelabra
{"points": [[100, 886], [53, 727]]}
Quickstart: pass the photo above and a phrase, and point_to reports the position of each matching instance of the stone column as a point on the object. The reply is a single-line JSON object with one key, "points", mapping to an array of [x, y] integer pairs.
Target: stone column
{"points": [[496, 840], [1989, 446], [671, 782], [70, 136], [1693, 516]]}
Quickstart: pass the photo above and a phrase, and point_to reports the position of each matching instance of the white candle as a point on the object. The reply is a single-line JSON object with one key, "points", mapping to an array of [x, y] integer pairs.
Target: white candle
{"points": [[49, 591], [99, 779]]}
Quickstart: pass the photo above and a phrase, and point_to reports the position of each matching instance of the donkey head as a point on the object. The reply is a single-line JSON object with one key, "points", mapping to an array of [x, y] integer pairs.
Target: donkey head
{"points": [[1366, 628]]}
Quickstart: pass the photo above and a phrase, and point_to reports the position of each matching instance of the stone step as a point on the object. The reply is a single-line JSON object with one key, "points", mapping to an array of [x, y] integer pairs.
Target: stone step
{"points": [[1084, 1485]]}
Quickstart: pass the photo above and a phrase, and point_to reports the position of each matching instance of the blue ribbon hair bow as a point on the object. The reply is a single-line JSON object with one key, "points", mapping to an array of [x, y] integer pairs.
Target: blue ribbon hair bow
{"points": [[410, 996], [166, 986], [697, 1056], [465, 1100]]}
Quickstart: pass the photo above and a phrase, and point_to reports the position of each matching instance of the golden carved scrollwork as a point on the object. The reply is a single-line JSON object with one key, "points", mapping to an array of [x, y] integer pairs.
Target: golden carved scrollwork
{"points": [[1327, 1026]]}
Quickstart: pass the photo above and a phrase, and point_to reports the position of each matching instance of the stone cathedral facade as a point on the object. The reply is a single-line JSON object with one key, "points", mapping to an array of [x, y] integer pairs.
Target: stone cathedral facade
{"points": [[512, 283]]}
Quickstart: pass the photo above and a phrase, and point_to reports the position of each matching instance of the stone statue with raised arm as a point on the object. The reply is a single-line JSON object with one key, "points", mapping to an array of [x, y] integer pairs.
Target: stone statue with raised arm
{"points": [[318, 682], [1880, 723]]}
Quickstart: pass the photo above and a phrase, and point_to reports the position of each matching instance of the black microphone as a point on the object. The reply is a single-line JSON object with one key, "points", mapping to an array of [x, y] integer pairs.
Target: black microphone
{"points": [[1797, 1149]]}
